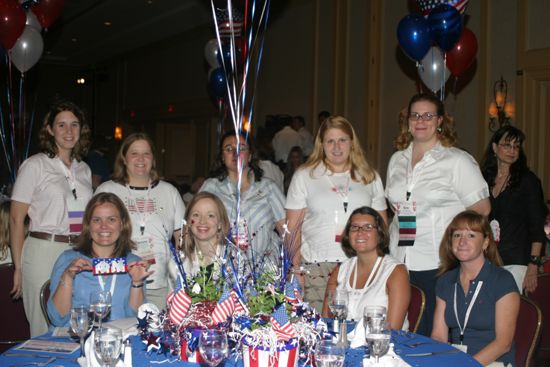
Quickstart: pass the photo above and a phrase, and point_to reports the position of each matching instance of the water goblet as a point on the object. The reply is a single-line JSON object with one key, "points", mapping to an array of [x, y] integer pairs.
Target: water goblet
{"points": [[338, 305], [108, 345], [100, 304], [213, 346], [80, 324], [329, 354], [374, 318], [379, 344]]}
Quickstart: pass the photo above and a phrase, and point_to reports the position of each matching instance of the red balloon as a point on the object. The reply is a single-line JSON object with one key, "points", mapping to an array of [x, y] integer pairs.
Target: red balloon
{"points": [[47, 11], [12, 22], [463, 54]]}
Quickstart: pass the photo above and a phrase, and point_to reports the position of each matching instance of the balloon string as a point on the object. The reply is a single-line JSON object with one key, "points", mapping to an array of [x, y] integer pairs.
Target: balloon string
{"points": [[30, 130], [444, 79]]}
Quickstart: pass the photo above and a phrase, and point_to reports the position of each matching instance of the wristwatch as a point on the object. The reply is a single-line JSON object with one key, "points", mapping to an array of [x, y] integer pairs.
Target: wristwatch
{"points": [[535, 260]]}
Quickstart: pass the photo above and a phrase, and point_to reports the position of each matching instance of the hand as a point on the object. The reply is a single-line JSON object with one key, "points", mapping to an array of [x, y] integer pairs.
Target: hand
{"points": [[138, 270], [77, 265], [17, 290], [530, 281]]}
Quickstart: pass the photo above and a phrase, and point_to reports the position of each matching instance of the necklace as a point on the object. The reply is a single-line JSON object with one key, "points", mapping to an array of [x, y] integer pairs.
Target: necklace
{"points": [[342, 190], [141, 213]]}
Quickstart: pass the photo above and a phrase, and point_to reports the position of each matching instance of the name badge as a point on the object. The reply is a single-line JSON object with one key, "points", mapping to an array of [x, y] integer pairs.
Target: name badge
{"points": [[144, 249], [461, 347], [406, 215], [75, 213]]}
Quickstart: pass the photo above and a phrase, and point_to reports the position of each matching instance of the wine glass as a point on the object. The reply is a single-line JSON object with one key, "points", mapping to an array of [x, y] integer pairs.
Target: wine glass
{"points": [[379, 344], [108, 345], [213, 346], [338, 305], [374, 318], [100, 304], [80, 323], [329, 354]]}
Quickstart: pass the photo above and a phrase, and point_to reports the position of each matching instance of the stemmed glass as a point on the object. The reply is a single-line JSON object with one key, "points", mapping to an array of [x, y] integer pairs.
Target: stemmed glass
{"points": [[379, 344], [100, 304], [329, 354], [80, 324], [108, 345], [213, 346], [338, 305]]}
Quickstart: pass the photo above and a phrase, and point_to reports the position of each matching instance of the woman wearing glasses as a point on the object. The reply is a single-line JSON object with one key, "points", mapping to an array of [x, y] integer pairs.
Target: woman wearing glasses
{"points": [[429, 181], [515, 190], [255, 208], [335, 180], [369, 275]]}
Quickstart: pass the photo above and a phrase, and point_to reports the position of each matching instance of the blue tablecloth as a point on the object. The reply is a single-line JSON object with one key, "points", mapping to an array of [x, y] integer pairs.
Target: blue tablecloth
{"points": [[141, 358]]}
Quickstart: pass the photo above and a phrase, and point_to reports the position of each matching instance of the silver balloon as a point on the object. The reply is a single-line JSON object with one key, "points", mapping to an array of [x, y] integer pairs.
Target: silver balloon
{"points": [[433, 71], [27, 50], [32, 21], [211, 53]]}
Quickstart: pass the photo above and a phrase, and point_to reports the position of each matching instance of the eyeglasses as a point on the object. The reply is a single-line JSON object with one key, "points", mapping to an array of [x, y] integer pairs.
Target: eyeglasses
{"points": [[509, 147], [427, 116], [230, 149], [364, 228]]}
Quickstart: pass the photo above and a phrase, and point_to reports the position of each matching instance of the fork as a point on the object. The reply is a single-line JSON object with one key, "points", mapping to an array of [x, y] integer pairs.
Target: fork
{"points": [[414, 345], [43, 363]]}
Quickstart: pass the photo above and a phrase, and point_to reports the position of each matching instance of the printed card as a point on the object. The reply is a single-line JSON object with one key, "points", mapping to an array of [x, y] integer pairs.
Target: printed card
{"points": [[107, 266]]}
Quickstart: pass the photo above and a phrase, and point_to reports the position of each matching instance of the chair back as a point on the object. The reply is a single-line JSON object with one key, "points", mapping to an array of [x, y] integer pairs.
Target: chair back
{"points": [[15, 327], [528, 327], [541, 298], [44, 297], [416, 308]]}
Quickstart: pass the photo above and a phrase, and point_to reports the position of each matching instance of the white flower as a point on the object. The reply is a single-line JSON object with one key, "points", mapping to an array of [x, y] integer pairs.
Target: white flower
{"points": [[196, 289]]}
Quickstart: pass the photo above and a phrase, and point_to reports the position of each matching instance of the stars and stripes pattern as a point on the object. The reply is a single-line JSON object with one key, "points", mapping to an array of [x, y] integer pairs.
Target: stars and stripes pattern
{"points": [[224, 308], [292, 292], [178, 303], [428, 5], [240, 305], [281, 324]]}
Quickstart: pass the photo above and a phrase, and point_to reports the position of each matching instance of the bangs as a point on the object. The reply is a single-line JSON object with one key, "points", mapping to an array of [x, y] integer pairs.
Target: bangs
{"points": [[466, 221]]}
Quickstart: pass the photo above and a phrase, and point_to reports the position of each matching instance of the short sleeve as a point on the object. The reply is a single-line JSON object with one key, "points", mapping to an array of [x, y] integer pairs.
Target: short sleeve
{"points": [[210, 185], [467, 179], [296, 197], [276, 200], [378, 197], [27, 177], [179, 207], [504, 284]]}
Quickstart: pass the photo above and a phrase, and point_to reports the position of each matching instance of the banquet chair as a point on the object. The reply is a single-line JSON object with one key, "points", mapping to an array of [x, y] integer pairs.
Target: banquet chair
{"points": [[540, 296], [15, 327], [44, 296], [528, 328], [416, 309]]}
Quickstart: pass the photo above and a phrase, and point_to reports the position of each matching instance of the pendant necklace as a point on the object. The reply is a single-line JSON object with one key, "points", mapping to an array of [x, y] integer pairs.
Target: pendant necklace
{"points": [[341, 190]]}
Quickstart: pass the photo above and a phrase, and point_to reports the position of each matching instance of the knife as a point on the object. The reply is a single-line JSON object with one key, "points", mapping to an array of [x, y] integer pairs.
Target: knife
{"points": [[11, 354], [450, 351]]}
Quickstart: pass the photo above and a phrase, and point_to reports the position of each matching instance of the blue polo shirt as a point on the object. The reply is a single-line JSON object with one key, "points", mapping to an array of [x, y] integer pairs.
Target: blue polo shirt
{"points": [[480, 330]]}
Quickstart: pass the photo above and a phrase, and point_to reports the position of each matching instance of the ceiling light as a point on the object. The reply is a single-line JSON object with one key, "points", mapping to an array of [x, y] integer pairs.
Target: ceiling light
{"points": [[107, 23]]}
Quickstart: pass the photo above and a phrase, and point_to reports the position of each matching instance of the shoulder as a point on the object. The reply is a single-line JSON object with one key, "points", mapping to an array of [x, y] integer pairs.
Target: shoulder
{"points": [[166, 186], [36, 161], [132, 257], [68, 256], [448, 278], [109, 186], [530, 178], [459, 155], [390, 260], [210, 184]]}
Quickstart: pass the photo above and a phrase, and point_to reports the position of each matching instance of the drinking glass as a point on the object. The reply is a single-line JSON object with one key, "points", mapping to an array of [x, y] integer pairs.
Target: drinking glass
{"points": [[338, 305], [379, 344], [80, 324], [329, 354], [108, 345], [213, 346], [374, 318], [100, 304]]}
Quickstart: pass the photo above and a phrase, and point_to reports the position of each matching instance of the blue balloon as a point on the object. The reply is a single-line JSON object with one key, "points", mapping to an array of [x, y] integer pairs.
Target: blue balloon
{"points": [[446, 25], [217, 82], [414, 36]]}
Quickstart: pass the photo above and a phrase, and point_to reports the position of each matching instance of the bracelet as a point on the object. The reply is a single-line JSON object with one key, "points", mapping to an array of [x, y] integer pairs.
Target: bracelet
{"points": [[139, 285], [535, 260]]}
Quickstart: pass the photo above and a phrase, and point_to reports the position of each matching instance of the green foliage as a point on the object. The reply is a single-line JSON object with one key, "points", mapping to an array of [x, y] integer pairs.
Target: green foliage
{"points": [[204, 287], [266, 297]]}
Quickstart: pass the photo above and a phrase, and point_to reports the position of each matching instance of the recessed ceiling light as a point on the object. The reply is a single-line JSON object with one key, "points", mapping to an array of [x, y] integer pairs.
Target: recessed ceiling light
{"points": [[74, 39], [149, 2], [107, 23]]}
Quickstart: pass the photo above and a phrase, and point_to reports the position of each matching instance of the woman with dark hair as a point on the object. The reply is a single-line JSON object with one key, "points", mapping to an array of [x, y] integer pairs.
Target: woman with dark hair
{"points": [[477, 301], [428, 182], [517, 206], [52, 188], [370, 275], [106, 233], [155, 206], [260, 209]]}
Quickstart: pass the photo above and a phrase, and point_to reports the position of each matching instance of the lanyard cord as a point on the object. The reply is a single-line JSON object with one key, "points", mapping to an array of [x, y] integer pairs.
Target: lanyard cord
{"points": [[468, 310], [141, 215], [70, 176]]}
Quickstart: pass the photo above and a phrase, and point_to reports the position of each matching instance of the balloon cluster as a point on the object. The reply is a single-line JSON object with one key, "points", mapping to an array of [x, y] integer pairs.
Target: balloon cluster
{"points": [[20, 27], [438, 41]]}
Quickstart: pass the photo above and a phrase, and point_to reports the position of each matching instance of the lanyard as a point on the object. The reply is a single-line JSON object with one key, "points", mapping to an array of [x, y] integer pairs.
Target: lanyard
{"points": [[70, 176], [102, 284], [371, 275], [141, 214], [468, 310], [341, 190]]}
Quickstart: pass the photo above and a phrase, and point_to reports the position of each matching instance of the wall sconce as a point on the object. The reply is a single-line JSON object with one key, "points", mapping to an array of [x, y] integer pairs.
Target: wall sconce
{"points": [[500, 112], [118, 133]]}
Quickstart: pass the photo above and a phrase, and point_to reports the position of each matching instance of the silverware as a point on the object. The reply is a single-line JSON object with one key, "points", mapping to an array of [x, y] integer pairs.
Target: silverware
{"points": [[414, 345], [427, 354], [43, 363], [12, 354]]}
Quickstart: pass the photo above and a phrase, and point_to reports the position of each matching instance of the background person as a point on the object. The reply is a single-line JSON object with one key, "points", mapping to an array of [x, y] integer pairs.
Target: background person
{"points": [[428, 182], [52, 188]]}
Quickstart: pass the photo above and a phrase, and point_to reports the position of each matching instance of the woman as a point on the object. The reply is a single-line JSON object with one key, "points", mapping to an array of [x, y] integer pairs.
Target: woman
{"points": [[259, 211], [156, 210], [515, 189], [52, 188], [428, 182], [335, 180], [204, 235], [105, 234], [476, 299], [369, 275], [294, 161]]}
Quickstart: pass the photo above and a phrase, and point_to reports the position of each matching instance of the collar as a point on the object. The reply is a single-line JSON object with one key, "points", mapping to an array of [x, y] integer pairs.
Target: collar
{"points": [[153, 185], [483, 273]]}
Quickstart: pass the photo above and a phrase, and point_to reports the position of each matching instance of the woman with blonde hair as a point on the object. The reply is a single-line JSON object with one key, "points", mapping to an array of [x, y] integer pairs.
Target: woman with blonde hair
{"points": [[335, 180], [476, 299]]}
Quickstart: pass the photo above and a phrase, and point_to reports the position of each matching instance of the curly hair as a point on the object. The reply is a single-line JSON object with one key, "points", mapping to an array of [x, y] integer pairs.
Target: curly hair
{"points": [[360, 169], [219, 170], [189, 245], [383, 246], [120, 174], [475, 222], [489, 166], [124, 243], [47, 141], [447, 135]]}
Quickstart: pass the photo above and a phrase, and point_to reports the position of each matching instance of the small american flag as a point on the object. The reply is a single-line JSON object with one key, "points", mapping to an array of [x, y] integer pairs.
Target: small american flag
{"points": [[178, 304], [292, 291], [240, 306], [281, 324], [224, 308]]}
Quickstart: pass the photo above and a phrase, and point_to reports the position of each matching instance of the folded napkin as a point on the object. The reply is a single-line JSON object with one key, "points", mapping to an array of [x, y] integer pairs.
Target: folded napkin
{"points": [[390, 359], [91, 358], [357, 335], [127, 325]]}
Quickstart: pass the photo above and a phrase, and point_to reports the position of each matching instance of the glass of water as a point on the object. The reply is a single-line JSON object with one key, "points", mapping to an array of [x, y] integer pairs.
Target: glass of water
{"points": [[108, 345], [329, 354], [213, 346], [80, 324], [374, 318], [100, 304], [379, 344], [338, 305]]}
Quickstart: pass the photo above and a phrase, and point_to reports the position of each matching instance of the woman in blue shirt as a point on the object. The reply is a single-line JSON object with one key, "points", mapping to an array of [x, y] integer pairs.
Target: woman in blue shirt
{"points": [[106, 234]]}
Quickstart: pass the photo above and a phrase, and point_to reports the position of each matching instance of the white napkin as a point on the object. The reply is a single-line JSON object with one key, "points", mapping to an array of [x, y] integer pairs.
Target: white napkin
{"points": [[390, 359], [127, 325], [91, 359], [357, 335]]}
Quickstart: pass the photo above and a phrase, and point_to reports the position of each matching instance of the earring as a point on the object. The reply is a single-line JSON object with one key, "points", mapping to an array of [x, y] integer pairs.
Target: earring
{"points": [[439, 130]]}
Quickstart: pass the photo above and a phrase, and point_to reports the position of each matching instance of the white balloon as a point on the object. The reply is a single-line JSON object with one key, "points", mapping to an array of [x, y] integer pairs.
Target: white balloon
{"points": [[27, 50], [211, 52], [433, 71], [32, 21]]}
